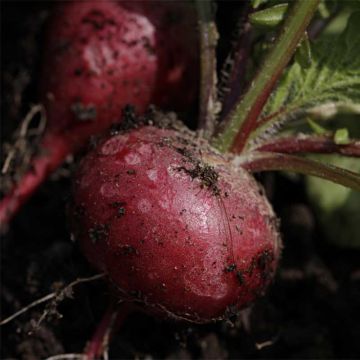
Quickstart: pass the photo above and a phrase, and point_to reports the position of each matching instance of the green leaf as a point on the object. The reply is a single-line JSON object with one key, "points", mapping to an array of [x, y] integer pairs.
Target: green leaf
{"points": [[256, 3], [332, 78], [303, 53], [270, 17], [316, 127], [323, 10], [341, 137]]}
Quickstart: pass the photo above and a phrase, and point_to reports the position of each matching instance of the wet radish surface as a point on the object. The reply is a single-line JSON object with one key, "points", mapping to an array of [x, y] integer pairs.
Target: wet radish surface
{"points": [[171, 220]]}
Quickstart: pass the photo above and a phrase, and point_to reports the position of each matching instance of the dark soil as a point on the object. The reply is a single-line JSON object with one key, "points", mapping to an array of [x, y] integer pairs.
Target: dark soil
{"points": [[311, 311]]}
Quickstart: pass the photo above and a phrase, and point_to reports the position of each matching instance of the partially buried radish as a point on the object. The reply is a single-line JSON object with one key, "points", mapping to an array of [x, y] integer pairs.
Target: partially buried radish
{"points": [[174, 225], [102, 55], [99, 57]]}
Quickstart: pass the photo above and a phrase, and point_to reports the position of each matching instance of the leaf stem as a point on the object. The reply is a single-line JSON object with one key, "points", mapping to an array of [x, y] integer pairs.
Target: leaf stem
{"points": [[237, 128], [275, 161], [310, 144], [208, 80]]}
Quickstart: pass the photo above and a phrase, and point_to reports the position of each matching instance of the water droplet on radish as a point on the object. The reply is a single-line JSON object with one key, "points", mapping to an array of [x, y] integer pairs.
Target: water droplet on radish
{"points": [[132, 158], [114, 145], [144, 149], [152, 175], [144, 205], [109, 190]]}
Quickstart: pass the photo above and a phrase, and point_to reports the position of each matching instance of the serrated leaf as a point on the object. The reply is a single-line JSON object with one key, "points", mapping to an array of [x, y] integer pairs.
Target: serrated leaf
{"points": [[333, 77]]}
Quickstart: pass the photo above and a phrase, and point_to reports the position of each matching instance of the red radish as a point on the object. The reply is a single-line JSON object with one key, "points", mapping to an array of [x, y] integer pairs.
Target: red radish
{"points": [[174, 225], [100, 56]]}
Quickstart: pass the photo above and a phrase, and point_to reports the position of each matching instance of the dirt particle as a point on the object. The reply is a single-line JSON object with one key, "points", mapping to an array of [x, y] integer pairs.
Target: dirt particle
{"points": [[231, 312], [98, 20], [165, 141], [128, 120], [78, 71], [265, 260], [84, 112], [121, 212], [206, 174], [129, 250], [99, 232], [120, 208], [240, 277], [185, 152], [147, 45], [230, 268]]}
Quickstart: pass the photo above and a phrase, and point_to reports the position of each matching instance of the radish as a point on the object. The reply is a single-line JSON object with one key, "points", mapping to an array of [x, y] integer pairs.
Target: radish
{"points": [[174, 225], [100, 56]]}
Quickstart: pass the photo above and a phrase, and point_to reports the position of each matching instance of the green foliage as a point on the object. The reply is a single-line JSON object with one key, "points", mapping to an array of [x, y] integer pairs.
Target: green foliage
{"points": [[316, 128], [256, 3], [333, 77], [341, 137], [328, 87], [269, 17], [303, 53]]}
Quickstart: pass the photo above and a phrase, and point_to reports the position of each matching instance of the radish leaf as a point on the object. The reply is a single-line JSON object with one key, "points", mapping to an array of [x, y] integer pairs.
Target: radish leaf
{"points": [[332, 79]]}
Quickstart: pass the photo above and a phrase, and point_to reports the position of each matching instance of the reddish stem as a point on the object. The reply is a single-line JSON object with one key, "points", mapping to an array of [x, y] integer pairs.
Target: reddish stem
{"points": [[53, 151], [110, 322], [266, 119], [255, 111], [310, 144], [262, 161]]}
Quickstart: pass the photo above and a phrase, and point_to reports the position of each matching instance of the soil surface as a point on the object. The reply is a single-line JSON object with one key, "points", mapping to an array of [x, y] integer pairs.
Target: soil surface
{"points": [[311, 311]]}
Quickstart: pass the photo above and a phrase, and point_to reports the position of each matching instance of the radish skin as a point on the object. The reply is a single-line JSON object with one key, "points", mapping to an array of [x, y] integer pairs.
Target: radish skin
{"points": [[173, 225]]}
